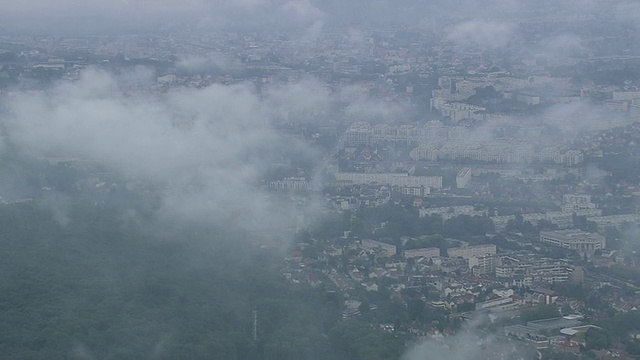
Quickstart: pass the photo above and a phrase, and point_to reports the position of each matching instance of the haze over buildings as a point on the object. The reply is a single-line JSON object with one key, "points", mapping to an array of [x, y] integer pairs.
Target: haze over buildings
{"points": [[320, 179]]}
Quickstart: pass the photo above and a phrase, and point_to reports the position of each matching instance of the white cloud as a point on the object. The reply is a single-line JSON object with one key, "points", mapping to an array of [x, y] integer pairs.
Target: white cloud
{"points": [[468, 344], [207, 148], [204, 147], [121, 15], [196, 63], [628, 10], [561, 46], [480, 33]]}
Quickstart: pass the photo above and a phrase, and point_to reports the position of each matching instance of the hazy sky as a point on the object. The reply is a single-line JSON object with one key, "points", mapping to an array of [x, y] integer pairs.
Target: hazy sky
{"points": [[484, 17], [123, 15], [207, 148], [150, 15], [466, 21]]}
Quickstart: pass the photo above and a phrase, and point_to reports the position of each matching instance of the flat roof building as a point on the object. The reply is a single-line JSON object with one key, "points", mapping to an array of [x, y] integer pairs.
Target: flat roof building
{"points": [[422, 252], [583, 242], [554, 323], [472, 251], [392, 179]]}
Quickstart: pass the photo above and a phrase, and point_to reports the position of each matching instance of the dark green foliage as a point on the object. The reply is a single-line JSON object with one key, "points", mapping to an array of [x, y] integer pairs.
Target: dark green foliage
{"points": [[501, 242], [105, 287], [541, 312], [465, 225], [354, 339], [633, 348], [426, 241], [597, 339], [330, 226], [465, 307], [568, 289], [518, 225], [616, 329], [544, 224], [399, 220], [403, 220], [626, 273]]}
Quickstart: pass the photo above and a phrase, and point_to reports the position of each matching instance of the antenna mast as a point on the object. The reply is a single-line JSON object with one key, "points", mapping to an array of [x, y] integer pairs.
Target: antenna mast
{"points": [[255, 324]]}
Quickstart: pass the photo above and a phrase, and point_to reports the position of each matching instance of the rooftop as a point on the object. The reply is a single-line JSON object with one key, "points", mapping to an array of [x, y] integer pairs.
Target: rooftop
{"points": [[553, 323]]}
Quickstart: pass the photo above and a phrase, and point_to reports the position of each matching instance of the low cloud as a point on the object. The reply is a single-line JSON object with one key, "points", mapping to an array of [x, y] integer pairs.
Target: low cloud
{"points": [[204, 147], [480, 34], [361, 107], [205, 63], [293, 102], [578, 116], [302, 9], [561, 46], [466, 345], [628, 10], [207, 149], [92, 16]]}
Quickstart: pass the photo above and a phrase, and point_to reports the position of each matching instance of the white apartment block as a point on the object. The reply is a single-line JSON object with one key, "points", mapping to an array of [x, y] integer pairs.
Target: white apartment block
{"points": [[617, 105], [467, 252], [616, 221], [512, 152], [580, 205], [391, 179], [552, 272], [358, 134], [506, 271], [564, 220], [483, 264], [448, 212], [459, 111], [626, 95], [577, 202], [420, 191], [422, 252], [529, 273], [290, 184], [493, 303], [363, 133]]}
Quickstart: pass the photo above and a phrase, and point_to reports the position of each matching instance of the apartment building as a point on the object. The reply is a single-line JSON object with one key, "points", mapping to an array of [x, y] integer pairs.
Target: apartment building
{"points": [[422, 252], [467, 252], [583, 242]]}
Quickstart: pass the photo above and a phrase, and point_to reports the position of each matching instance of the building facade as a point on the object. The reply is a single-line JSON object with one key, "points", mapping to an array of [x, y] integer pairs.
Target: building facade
{"points": [[392, 179], [583, 242], [467, 252], [422, 252]]}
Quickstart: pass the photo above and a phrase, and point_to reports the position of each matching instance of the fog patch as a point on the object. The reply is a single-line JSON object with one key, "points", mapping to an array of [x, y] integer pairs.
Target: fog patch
{"points": [[594, 174], [577, 116], [465, 345], [60, 206], [480, 34], [205, 148], [562, 46], [202, 64]]}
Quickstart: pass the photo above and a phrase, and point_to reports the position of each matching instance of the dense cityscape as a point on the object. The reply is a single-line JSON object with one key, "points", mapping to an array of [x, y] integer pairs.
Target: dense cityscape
{"points": [[450, 189]]}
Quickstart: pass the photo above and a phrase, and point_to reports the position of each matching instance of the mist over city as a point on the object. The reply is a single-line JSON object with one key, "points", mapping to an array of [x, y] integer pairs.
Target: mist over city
{"points": [[320, 180]]}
